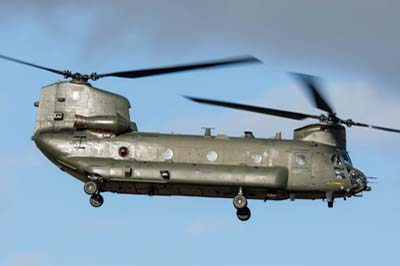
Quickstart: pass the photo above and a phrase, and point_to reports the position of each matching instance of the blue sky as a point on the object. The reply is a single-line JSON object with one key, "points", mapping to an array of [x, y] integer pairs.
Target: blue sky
{"points": [[45, 217]]}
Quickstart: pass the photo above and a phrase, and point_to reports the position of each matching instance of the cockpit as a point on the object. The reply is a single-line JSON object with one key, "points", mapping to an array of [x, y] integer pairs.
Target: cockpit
{"points": [[343, 168], [338, 166]]}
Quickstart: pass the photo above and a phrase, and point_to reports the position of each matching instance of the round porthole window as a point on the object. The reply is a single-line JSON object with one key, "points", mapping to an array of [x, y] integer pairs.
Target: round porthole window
{"points": [[168, 154], [123, 151], [212, 156], [301, 160], [256, 158]]}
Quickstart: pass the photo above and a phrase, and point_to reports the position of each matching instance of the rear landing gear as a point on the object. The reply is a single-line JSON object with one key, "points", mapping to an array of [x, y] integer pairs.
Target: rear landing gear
{"points": [[240, 203]]}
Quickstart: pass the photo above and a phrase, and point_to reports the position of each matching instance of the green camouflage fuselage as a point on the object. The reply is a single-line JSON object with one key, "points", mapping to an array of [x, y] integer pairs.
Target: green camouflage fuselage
{"points": [[87, 132]]}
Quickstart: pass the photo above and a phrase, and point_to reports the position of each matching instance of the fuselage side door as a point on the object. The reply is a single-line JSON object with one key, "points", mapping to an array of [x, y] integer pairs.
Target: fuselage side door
{"points": [[300, 162]]}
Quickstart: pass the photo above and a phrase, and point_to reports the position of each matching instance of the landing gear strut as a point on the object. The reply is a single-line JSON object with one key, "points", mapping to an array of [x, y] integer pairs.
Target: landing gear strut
{"points": [[92, 188], [240, 203], [330, 199]]}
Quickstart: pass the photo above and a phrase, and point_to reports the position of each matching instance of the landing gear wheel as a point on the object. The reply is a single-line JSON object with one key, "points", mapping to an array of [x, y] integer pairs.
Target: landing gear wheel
{"points": [[96, 200], [330, 204], [243, 214], [240, 201], [90, 188]]}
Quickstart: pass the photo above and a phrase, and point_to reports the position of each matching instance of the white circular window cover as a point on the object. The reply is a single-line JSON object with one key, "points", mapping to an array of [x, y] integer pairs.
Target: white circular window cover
{"points": [[256, 158], [168, 154], [212, 156], [301, 159], [76, 95]]}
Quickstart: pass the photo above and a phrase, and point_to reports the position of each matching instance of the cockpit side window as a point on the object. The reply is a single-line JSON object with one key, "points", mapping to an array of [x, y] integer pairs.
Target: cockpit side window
{"points": [[338, 166], [346, 159], [301, 159], [336, 161]]}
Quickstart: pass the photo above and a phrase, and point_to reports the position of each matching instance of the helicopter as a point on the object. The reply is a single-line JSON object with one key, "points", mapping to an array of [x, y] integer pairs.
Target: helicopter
{"points": [[87, 132]]}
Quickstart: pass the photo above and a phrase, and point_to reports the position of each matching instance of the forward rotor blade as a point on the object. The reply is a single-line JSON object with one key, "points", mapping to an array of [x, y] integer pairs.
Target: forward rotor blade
{"points": [[310, 83], [358, 124], [64, 73], [386, 129], [255, 109], [179, 68]]}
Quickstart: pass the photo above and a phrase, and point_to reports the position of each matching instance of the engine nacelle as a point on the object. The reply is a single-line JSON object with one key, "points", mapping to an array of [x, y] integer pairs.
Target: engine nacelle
{"points": [[70, 104], [116, 124], [333, 135]]}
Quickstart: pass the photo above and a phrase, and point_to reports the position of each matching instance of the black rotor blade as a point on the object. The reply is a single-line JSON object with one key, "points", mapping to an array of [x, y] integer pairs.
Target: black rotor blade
{"points": [[255, 109], [310, 83], [358, 124], [179, 68], [64, 73], [386, 129]]}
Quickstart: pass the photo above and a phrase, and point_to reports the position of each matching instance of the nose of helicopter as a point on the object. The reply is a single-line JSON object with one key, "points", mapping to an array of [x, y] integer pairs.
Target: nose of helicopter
{"points": [[359, 181]]}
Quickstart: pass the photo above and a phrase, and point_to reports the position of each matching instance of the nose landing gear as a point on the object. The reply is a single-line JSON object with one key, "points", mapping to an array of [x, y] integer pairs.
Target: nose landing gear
{"points": [[240, 201], [92, 188], [243, 213], [96, 200]]}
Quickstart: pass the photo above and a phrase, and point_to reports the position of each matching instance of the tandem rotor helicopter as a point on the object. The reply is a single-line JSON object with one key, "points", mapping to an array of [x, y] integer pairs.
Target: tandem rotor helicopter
{"points": [[87, 132]]}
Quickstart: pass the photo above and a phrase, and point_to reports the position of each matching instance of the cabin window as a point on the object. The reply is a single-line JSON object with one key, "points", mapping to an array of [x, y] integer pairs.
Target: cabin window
{"points": [[123, 151], [212, 156], [168, 154], [301, 160], [76, 95], [256, 158]]}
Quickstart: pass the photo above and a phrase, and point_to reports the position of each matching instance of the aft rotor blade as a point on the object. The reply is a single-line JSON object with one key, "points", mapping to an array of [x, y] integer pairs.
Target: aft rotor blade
{"points": [[311, 84], [179, 68], [64, 73], [358, 124], [255, 109]]}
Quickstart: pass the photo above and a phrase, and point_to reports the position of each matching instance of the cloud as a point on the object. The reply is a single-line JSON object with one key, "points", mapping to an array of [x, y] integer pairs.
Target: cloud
{"points": [[19, 159], [26, 259], [5, 184], [11, 166], [357, 37], [205, 226]]}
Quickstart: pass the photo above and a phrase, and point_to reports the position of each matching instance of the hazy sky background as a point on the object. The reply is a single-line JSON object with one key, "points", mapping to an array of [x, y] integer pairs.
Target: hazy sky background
{"points": [[45, 217]]}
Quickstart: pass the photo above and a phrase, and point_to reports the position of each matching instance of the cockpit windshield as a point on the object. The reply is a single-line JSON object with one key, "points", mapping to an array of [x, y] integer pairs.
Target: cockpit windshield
{"points": [[341, 161], [346, 158]]}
